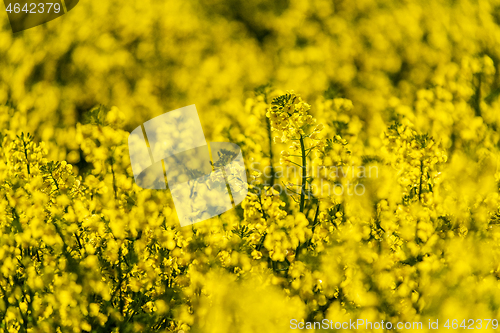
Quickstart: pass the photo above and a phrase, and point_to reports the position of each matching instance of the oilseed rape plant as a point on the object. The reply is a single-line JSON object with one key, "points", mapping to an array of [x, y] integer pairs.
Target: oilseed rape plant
{"points": [[370, 136]]}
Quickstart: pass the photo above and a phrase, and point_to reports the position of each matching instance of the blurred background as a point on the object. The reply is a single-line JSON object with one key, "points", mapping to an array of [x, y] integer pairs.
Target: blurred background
{"points": [[149, 57]]}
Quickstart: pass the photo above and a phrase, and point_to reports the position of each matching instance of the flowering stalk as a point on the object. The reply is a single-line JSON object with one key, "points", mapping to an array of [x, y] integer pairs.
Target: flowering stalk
{"points": [[289, 115]]}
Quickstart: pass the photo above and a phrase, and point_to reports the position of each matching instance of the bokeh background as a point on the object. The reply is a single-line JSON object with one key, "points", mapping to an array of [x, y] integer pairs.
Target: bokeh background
{"points": [[150, 56], [81, 83]]}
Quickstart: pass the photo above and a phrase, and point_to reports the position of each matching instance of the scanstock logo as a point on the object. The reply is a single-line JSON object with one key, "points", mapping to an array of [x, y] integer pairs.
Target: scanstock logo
{"points": [[25, 14], [204, 180]]}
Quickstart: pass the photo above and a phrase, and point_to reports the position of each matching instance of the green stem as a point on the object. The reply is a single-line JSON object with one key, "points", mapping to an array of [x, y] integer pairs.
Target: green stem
{"points": [[271, 156], [302, 185], [55, 181], [26, 155], [304, 174], [477, 96], [114, 179], [421, 180]]}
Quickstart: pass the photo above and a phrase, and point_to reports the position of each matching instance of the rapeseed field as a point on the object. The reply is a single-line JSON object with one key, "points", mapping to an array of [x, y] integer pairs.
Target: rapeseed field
{"points": [[371, 136]]}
